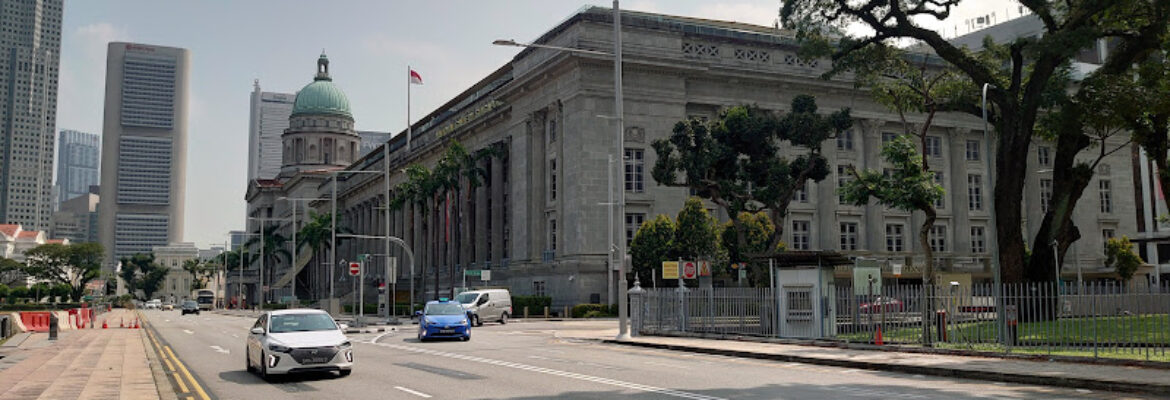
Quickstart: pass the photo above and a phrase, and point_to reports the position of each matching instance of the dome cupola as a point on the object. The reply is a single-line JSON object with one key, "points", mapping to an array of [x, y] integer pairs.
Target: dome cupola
{"points": [[321, 96]]}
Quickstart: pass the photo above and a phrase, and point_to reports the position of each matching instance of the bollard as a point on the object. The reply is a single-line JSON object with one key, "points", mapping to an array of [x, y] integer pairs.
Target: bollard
{"points": [[53, 326], [566, 314], [525, 312], [545, 312]]}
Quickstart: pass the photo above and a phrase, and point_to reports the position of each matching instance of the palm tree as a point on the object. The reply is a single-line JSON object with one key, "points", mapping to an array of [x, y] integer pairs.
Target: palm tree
{"points": [[272, 245], [197, 270], [466, 171], [419, 190], [316, 234]]}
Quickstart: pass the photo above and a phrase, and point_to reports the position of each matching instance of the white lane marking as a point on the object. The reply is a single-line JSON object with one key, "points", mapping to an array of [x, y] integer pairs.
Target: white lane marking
{"points": [[414, 392], [565, 374], [1084, 391], [167, 320], [236, 336], [189, 332], [221, 350], [664, 364]]}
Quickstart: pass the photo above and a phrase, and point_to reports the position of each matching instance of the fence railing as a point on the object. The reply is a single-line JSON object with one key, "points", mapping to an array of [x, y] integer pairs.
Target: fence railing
{"points": [[1090, 320]]}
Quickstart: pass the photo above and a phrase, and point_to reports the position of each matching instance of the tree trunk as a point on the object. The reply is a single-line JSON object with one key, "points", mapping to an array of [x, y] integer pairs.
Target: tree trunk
{"points": [[1011, 160], [458, 243]]}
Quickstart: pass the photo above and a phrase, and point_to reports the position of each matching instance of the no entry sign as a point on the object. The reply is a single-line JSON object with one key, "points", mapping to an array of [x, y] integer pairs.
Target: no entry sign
{"points": [[354, 269]]}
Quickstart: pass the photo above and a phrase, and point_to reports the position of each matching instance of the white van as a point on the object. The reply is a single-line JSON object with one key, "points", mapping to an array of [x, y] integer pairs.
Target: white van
{"points": [[486, 305]]}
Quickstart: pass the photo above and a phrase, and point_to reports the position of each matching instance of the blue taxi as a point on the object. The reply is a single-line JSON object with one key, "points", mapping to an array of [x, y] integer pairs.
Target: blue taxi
{"points": [[443, 318]]}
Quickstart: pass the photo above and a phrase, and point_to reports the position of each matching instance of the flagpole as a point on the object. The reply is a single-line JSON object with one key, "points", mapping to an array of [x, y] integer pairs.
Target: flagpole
{"points": [[408, 127]]}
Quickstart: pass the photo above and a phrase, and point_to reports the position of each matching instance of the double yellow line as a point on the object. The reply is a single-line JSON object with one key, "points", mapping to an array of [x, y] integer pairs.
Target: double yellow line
{"points": [[168, 356]]}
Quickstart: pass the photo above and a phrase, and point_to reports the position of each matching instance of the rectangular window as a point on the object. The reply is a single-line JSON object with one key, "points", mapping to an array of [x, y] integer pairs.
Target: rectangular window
{"points": [[1106, 196], [1042, 156], [972, 150], [552, 179], [635, 164], [845, 140], [552, 234], [894, 238], [848, 236], [538, 288], [938, 238], [1106, 234], [934, 146], [974, 192], [801, 194], [800, 235], [978, 241], [888, 137], [1045, 195], [843, 178], [552, 130], [633, 222], [941, 203]]}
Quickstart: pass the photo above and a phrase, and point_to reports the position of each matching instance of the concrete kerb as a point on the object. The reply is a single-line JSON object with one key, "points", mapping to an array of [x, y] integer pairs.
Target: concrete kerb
{"points": [[1076, 383], [161, 381]]}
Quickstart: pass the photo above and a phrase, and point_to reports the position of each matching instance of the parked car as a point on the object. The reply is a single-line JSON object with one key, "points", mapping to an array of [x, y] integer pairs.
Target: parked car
{"points": [[882, 304], [297, 340], [168, 306], [486, 305], [153, 304], [443, 319], [190, 307]]}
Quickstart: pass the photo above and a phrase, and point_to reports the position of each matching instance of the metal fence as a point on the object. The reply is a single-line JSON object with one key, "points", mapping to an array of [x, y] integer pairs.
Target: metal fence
{"points": [[1091, 320]]}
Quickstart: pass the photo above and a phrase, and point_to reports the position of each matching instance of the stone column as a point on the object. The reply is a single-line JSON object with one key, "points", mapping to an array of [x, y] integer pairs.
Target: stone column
{"points": [[496, 191]]}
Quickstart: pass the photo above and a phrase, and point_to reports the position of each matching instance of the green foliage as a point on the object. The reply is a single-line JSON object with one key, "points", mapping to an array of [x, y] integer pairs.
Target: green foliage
{"points": [[11, 272], [74, 265], [590, 311], [652, 244], [906, 186], [734, 160], [3, 290], [17, 292], [1120, 256], [62, 290], [757, 230], [317, 232], [535, 304], [273, 245], [696, 232], [141, 272]]}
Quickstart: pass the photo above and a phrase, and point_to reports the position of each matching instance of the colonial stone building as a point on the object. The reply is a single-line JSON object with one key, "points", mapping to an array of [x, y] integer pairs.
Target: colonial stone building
{"points": [[539, 221]]}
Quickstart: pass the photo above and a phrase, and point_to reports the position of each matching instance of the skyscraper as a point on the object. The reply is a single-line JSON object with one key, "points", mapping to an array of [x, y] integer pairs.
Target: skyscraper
{"points": [[144, 149], [77, 163], [30, 48], [270, 113]]}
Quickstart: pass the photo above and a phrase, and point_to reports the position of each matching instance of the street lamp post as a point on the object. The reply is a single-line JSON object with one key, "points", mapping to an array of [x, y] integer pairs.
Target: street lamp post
{"points": [[263, 290], [409, 257], [295, 228], [333, 222], [240, 257], [619, 112]]}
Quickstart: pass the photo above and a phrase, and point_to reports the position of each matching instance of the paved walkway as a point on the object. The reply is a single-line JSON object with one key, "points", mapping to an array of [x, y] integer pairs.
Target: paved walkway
{"points": [[81, 364], [1064, 374]]}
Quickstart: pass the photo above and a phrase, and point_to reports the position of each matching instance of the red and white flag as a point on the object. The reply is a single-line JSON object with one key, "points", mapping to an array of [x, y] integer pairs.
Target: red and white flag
{"points": [[415, 78]]}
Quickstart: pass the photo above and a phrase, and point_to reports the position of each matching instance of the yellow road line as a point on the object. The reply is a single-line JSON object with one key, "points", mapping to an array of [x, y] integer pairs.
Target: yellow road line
{"points": [[182, 386], [198, 389]]}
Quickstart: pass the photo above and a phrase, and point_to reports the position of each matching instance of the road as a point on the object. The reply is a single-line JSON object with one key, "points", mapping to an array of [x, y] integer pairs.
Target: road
{"points": [[535, 360]]}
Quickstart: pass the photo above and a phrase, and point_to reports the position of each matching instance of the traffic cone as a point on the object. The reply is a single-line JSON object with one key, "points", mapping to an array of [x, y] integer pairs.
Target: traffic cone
{"points": [[120, 325], [104, 326], [879, 336]]}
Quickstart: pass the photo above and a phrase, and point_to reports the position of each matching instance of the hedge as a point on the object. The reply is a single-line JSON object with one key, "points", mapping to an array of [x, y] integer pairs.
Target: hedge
{"points": [[602, 310], [535, 304]]}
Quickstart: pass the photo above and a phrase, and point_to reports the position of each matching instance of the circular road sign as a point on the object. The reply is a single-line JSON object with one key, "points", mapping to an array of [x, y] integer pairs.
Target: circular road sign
{"points": [[354, 269]]}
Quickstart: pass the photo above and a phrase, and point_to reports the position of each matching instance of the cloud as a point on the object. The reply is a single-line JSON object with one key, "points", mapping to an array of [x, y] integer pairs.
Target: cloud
{"points": [[758, 14], [383, 45]]}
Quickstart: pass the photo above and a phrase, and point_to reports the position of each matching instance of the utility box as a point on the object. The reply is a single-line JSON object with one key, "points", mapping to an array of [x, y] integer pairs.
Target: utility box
{"points": [[805, 298]]}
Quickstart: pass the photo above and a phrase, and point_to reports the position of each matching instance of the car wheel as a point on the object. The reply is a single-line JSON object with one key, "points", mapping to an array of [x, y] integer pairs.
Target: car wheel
{"points": [[263, 366], [344, 373], [504, 319], [475, 321], [248, 362], [465, 338]]}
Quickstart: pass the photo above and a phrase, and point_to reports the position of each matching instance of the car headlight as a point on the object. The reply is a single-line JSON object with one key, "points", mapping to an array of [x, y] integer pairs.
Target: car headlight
{"points": [[463, 322], [278, 348], [431, 322]]}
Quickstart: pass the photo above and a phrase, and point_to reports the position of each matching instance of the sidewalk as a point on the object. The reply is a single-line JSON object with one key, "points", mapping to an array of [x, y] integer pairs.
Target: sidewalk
{"points": [[81, 364], [1048, 373]]}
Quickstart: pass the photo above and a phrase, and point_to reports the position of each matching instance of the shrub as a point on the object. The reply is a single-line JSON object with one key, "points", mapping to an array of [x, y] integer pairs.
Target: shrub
{"points": [[19, 292], [3, 291], [594, 314], [580, 310], [535, 304]]}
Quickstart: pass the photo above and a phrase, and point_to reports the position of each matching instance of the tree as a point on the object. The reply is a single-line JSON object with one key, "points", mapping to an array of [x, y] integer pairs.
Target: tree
{"points": [[652, 244], [200, 272], [460, 172], [734, 161], [317, 235], [696, 234], [757, 228], [272, 248], [1150, 123], [141, 272], [74, 265], [1023, 73], [1120, 256], [418, 191], [12, 272]]}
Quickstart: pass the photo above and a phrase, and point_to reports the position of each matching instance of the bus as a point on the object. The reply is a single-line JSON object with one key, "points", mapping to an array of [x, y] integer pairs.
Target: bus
{"points": [[205, 298]]}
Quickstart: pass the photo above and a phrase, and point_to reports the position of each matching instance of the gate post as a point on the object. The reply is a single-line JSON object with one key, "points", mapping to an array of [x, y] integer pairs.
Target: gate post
{"points": [[636, 307]]}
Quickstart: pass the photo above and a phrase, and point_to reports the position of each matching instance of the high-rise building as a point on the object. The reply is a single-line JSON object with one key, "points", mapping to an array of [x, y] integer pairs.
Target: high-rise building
{"points": [[77, 163], [237, 239], [144, 149], [76, 220], [371, 140], [270, 113], [30, 44]]}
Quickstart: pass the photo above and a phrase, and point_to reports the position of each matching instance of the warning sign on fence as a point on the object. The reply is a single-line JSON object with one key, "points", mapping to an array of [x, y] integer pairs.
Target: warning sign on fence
{"points": [[670, 270]]}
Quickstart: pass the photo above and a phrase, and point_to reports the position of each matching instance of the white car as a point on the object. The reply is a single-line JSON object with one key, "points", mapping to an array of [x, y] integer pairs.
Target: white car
{"points": [[154, 304], [298, 340]]}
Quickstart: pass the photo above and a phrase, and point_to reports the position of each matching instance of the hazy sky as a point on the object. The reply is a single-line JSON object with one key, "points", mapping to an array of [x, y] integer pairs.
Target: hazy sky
{"points": [[369, 43]]}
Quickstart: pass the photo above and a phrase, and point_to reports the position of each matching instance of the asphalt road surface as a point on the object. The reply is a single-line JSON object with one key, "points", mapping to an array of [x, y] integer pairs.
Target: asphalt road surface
{"points": [[527, 360]]}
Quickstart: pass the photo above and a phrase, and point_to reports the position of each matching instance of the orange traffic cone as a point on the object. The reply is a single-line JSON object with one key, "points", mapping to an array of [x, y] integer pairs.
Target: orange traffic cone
{"points": [[120, 324], [136, 323], [104, 326], [879, 336]]}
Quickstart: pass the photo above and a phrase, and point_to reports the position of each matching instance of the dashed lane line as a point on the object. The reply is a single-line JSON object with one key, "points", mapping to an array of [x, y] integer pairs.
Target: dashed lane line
{"points": [[414, 392]]}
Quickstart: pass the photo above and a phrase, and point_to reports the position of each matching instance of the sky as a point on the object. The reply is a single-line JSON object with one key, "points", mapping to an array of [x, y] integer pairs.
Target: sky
{"points": [[370, 43]]}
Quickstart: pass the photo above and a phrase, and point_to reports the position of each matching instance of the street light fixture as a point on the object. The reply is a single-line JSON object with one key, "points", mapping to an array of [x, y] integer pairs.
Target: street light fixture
{"points": [[619, 111]]}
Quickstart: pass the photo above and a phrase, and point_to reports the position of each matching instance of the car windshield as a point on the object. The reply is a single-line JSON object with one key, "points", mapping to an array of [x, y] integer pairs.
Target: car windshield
{"points": [[189, 303], [282, 323], [444, 309], [466, 298]]}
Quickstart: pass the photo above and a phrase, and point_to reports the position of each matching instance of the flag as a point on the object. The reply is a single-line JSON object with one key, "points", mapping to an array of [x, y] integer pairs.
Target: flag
{"points": [[415, 78]]}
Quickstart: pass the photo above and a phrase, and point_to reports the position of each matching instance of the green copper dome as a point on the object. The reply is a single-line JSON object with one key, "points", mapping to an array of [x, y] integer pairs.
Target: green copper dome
{"points": [[321, 96]]}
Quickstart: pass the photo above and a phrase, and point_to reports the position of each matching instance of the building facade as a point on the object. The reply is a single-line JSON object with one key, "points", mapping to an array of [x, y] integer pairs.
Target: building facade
{"points": [[78, 163], [176, 286], [30, 44], [77, 219], [269, 119], [539, 222], [144, 149]]}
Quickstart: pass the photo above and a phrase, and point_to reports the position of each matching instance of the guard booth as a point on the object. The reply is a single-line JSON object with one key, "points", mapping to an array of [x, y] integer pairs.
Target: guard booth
{"points": [[805, 295]]}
